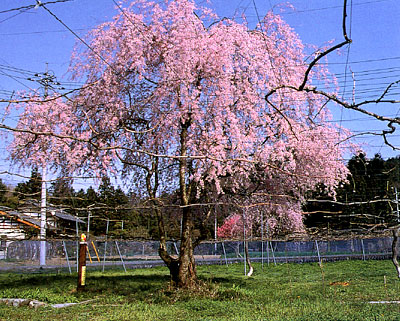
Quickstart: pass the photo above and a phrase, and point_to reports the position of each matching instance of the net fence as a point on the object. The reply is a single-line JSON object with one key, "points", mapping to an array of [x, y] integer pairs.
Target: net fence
{"points": [[23, 255]]}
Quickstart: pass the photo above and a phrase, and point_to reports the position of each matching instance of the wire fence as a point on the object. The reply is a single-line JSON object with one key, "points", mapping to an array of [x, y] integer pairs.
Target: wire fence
{"points": [[23, 255]]}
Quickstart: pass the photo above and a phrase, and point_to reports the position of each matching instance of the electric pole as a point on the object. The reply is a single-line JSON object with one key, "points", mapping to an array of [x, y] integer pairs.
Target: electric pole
{"points": [[46, 79]]}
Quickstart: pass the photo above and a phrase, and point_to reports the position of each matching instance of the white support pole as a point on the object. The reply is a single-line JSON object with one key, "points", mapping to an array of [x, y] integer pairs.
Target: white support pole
{"points": [[244, 243], [43, 219], [215, 234], [223, 247], [319, 256], [262, 240], [272, 251], [88, 224], [362, 248], [120, 256], [268, 242], [176, 249], [105, 244], [66, 255]]}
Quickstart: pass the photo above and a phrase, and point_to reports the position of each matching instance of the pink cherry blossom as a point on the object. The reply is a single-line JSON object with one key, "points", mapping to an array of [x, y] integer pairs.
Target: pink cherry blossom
{"points": [[174, 103]]}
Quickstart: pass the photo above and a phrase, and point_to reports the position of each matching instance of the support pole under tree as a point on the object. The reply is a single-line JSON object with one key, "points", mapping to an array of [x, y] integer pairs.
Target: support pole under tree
{"points": [[120, 256], [223, 248], [176, 249], [272, 252], [215, 233], [268, 241], [66, 256], [363, 249], [105, 244], [82, 263], [262, 240], [244, 244], [319, 256], [88, 223], [43, 219]]}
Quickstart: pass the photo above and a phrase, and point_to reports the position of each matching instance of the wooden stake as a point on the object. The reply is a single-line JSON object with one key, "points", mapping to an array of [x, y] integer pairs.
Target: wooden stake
{"points": [[82, 263]]}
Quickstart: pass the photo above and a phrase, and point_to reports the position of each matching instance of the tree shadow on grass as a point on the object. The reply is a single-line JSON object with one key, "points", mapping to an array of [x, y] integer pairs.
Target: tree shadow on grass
{"points": [[225, 282], [95, 285], [149, 287]]}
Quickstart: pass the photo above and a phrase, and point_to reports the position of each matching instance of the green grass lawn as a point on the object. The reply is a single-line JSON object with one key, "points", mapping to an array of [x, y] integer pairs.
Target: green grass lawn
{"points": [[337, 291]]}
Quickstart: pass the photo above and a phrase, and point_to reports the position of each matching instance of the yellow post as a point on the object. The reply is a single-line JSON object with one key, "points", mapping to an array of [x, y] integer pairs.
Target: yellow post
{"points": [[82, 263], [95, 250], [90, 257]]}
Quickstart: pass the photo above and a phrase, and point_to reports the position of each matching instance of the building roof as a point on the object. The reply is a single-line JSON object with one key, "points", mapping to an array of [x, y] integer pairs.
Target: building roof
{"points": [[58, 212], [19, 217]]}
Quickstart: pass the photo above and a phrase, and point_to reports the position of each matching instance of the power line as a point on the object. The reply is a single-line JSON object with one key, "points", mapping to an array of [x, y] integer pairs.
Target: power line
{"points": [[32, 6], [333, 7], [41, 32]]}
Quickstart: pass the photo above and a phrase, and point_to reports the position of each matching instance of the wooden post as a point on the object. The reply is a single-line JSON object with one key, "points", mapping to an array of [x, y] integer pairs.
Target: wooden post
{"points": [[82, 263]]}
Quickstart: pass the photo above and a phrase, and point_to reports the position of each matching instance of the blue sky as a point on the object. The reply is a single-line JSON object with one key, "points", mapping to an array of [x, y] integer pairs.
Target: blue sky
{"points": [[31, 38]]}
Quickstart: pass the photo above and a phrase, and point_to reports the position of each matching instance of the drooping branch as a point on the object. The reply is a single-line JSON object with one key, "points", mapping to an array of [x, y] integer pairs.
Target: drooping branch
{"points": [[359, 107]]}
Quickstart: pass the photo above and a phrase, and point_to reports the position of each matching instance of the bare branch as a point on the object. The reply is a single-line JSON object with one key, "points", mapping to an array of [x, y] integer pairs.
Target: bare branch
{"points": [[328, 51]]}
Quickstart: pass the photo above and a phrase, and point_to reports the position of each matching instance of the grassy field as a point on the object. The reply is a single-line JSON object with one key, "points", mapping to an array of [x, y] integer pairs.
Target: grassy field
{"points": [[337, 291]]}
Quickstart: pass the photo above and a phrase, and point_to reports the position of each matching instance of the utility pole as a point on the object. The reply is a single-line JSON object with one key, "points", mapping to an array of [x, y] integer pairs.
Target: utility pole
{"points": [[46, 79], [43, 210]]}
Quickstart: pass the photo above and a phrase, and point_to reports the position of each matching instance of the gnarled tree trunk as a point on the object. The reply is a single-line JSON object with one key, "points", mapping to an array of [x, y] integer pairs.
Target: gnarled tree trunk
{"points": [[187, 269], [182, 269]]}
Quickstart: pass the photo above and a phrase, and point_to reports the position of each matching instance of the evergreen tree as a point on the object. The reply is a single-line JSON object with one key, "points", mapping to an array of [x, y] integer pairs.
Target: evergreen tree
{"points": [[61, 192], [3, 191], [30, 189], [365, 203]]}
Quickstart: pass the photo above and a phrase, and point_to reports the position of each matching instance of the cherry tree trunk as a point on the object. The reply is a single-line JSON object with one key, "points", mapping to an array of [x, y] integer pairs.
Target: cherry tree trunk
{"points": [[182, 269], [186, 274]]}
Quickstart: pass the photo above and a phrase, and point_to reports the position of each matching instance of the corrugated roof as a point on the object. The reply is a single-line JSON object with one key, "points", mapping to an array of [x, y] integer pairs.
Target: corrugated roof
{"points": [[19, 217], [68, 217]]}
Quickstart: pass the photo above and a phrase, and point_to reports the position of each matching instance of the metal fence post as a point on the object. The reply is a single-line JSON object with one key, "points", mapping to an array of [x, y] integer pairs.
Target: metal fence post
{"points": [[66, 255], [319, 256], [362, 248], [120, 256]]}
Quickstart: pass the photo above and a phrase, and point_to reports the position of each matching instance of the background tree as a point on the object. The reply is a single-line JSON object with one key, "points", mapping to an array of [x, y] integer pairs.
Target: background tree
{"points": [[238, 226], [111, 204], [30, 189], [365, 204], [62, 192], [6, 196], [3, 191]]}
